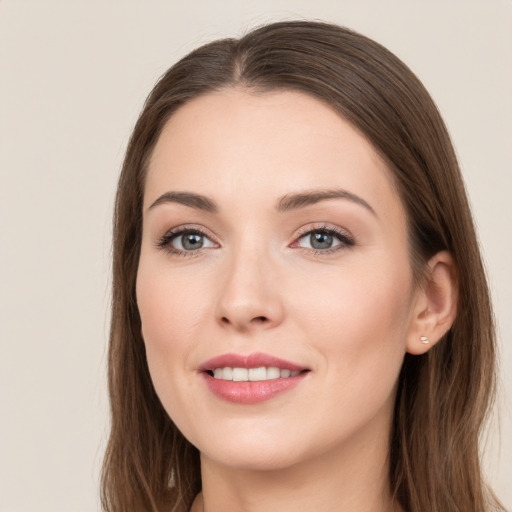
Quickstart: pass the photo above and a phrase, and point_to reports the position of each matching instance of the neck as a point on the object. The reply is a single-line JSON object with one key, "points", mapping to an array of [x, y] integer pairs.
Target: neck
{"points": [[353, 477]]}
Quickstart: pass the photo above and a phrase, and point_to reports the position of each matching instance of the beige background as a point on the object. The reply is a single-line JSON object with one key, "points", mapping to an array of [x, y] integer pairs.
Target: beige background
{"points": [[73, 77]]}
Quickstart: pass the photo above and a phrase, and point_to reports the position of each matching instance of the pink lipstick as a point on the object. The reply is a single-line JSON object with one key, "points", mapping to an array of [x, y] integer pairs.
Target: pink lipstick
{"points": [[250, 379]]}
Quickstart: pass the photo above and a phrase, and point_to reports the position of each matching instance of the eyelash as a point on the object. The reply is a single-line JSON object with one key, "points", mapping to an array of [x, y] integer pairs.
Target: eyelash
{"points": [[346, 241], [172, 234]]}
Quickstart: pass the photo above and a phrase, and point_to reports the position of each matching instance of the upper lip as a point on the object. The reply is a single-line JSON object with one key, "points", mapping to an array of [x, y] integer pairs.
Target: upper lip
{"points": [[253, 360]]}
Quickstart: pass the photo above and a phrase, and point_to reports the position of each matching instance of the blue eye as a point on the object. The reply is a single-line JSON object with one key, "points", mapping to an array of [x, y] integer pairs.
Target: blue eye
{"points": [[319, 240], [324, 239], [185, 241], [190, 241]]}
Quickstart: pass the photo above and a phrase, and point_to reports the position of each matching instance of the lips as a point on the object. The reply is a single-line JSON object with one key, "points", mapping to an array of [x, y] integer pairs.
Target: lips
{"points": [[254, 360], [250, 379]]}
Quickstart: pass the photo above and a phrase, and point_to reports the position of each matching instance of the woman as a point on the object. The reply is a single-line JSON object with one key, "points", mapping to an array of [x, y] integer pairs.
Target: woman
{"points": [[300, 315]]}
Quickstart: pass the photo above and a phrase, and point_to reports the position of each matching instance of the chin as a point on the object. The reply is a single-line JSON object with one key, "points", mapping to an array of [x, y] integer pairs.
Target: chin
{"points": [[269, 458]]}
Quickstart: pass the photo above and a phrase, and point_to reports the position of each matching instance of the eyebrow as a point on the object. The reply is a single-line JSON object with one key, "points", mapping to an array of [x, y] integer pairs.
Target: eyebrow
{"points": [[302, 199], [188, 199], [284, 204]]}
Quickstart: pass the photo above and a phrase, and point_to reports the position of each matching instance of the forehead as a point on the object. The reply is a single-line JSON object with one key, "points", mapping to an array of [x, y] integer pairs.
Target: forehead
{"points": [[235, 143]]}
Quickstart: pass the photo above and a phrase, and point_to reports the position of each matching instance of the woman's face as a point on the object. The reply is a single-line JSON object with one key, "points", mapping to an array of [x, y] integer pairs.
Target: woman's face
{"points": [[273, 238]]}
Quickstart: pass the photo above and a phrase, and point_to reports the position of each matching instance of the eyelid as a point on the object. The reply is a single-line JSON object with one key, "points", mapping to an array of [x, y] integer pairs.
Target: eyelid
{"points": [[345, 237], [164, 241]]}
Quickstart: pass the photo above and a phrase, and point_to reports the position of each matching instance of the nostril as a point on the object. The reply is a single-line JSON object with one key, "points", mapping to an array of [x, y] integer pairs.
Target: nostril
{"points": [[244, 322]]}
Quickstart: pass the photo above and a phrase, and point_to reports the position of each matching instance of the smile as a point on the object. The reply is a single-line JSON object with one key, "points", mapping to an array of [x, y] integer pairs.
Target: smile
{"points": [[253, 374], [250, 379]]}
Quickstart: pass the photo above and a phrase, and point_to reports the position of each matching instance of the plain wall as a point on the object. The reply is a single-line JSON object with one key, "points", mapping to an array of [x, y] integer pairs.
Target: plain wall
{"points": [[73, 77]]}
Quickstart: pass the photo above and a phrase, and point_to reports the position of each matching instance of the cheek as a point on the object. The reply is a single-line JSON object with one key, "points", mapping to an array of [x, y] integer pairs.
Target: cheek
{"points": [[168, 303], [359, 329], [170, 315], [360, 324]]}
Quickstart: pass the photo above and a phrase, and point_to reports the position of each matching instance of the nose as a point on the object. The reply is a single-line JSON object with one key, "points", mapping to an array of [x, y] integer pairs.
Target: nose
{"points": [[249, 294]]}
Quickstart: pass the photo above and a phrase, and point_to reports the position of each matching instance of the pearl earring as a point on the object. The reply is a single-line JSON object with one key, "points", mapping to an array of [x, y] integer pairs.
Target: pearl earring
{"points": [[424, 340]]}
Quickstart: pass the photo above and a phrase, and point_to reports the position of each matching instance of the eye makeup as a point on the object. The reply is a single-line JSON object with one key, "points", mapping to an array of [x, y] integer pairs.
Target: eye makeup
{"points": [[324, 239], [321, 239], [185, 241]]}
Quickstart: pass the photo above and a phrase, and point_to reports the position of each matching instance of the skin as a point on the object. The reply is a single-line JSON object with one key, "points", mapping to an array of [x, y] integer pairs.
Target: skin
{"points": [[348, 314]]}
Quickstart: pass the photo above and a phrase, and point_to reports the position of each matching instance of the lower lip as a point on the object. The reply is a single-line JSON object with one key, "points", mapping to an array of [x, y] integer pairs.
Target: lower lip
{"points": [[251, 392]]}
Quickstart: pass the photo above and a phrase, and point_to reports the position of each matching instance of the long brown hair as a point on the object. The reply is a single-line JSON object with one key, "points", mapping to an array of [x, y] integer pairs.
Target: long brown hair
{"points": [[444, 395]]}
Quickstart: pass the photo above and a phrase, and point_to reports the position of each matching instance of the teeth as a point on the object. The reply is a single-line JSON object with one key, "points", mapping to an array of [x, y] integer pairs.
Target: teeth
{"points": [[258, 373], [252, 374], [273, 373], [240, 374]]}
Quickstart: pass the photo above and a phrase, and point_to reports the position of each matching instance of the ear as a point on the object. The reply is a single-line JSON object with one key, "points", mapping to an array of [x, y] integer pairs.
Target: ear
{"points": [[435, 306]]}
